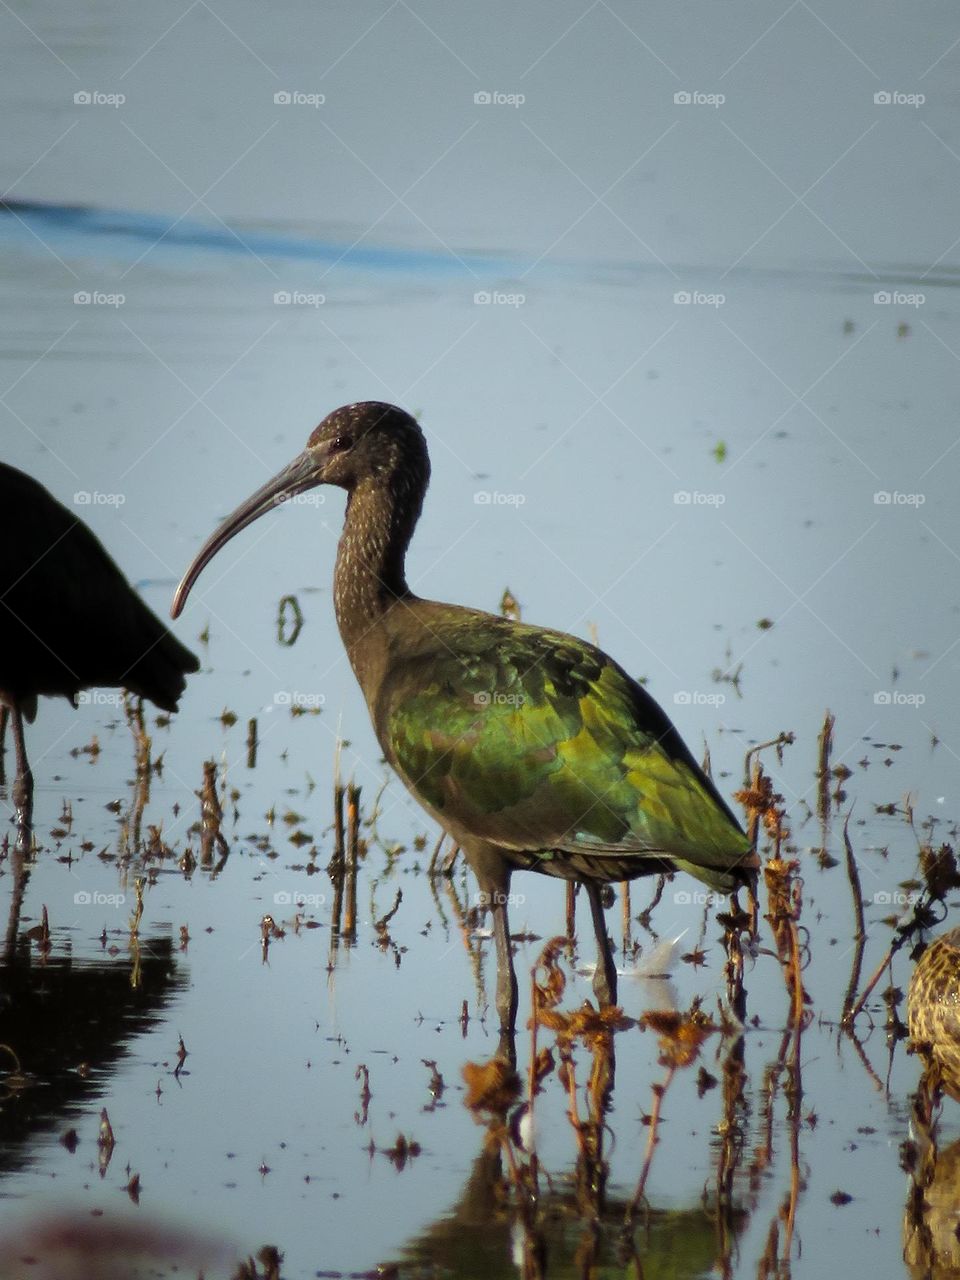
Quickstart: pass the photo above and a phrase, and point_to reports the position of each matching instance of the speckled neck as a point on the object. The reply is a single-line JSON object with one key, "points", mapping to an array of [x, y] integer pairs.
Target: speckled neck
{"points": [[382, 512]]}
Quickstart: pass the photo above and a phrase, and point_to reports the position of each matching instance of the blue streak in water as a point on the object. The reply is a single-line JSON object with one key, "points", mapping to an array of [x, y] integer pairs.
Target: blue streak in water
{"points": [[77, 228]]}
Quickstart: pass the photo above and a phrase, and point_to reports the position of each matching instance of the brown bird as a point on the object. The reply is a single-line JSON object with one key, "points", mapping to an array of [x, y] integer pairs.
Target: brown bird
{"points": [[933, 1009], [532, 748], [69, 620]]}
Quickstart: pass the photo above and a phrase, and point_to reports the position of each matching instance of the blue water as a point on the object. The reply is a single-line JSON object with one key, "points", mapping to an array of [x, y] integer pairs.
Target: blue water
{"points": [[679, 470]]}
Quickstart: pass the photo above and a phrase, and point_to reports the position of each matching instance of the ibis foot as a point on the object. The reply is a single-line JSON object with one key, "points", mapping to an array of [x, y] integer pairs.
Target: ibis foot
{"points": [[23, 792], [23, 783], [507, 1047], [605, 976]]}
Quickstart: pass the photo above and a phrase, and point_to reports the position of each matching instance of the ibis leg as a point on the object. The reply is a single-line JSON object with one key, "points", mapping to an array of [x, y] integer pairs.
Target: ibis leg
{"points": [[506, 975], [493, 877], [23, 785], [605, 978]]}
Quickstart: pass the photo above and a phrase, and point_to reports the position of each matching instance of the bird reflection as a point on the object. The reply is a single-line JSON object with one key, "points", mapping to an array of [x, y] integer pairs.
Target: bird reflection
{"points": [[70, 1020], [512, 1218], [931, 1245]]}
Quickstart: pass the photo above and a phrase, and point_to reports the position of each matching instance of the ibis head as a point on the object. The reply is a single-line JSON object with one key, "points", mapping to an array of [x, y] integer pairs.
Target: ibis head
{"points": [[368, 443]]}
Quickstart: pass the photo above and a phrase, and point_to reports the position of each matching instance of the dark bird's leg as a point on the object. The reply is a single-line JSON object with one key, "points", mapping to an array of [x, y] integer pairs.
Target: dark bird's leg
{"points": [[605, 978], [4, 717], [495, 892], [507, 999], [23, 785], [493, 875], [21, 876]]}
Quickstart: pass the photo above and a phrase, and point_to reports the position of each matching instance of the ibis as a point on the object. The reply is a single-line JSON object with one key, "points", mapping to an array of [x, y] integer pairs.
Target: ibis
{"points": [[69, 619], [532, 748]]}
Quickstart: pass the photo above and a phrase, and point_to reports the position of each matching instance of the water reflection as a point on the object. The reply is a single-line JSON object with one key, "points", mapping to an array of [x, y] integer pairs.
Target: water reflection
{"points": [[76, 1247], [931, 1244], [512, 1218], [577, 1165], [69, 1021], [479, 1237]]}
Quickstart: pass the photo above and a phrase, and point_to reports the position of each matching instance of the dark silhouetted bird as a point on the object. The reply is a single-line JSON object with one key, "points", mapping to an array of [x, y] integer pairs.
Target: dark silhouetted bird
{"points": [[69, 620], [532, 748]]}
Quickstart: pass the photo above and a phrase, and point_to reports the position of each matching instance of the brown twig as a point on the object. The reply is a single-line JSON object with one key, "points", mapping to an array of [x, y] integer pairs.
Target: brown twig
{"points": [[644, 917], [825, 744], [353, 859], [336, 867], [860, 937], [653, 1124], [780, 741]]}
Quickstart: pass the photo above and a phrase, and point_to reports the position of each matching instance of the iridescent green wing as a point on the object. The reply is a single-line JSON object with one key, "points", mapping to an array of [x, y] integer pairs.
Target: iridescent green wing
{"points": [[535, 740]]}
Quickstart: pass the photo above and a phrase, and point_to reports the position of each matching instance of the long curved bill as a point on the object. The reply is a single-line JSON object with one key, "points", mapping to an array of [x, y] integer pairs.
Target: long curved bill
{"points": [[301, 474]]}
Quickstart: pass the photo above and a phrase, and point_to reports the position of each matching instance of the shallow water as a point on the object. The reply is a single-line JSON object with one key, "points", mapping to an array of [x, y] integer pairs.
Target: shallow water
{"points": [[668, 473]]}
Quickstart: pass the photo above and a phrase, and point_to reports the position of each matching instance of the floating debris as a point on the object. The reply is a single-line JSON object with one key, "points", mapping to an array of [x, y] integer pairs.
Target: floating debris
{"points": [[289, 621], [105, 1141], [436, 1085]]}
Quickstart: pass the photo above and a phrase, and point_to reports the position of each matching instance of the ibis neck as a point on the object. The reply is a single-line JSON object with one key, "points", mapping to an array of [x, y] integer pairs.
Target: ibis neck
{"points": [[369, 577]]}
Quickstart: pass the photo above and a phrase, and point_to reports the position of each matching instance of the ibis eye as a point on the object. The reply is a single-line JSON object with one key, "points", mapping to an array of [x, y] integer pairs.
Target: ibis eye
{"points": [[341, 444]]}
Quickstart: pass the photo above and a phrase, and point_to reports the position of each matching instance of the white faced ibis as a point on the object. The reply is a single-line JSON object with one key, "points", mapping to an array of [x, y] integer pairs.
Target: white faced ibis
{"points": [[532, 748], [69, 620]]}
